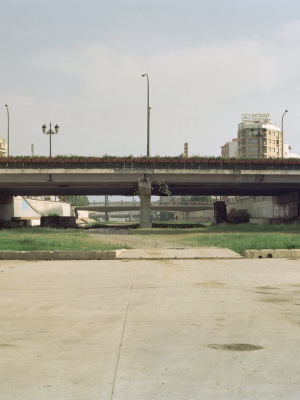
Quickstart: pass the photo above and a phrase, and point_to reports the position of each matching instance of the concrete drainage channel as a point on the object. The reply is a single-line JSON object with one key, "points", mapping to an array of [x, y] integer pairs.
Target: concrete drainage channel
{"points": [[270, 253], [143, 254]]}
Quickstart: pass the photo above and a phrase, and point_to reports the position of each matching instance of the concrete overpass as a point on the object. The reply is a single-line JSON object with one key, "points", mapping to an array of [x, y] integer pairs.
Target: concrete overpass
{"points": [[154, 208], [146, 177], [115, 177]]}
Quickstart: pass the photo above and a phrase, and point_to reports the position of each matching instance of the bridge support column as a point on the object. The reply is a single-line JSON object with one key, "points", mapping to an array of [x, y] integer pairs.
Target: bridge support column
{"points": [[6, 208], [107, 217], [187, 216], [220, 213], [144, 189]]}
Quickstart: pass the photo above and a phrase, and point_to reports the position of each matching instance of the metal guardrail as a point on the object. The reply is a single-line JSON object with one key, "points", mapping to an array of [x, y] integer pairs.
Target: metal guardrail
{"points": [[137, 203]]}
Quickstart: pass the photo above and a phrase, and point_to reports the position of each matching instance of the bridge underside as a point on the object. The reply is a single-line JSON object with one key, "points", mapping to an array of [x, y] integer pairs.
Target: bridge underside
{"points": [[126, 184]]}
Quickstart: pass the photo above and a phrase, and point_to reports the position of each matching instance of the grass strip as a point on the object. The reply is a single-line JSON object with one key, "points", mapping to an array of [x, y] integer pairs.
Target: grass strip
{"points": [[235, 237], [30, 239]]}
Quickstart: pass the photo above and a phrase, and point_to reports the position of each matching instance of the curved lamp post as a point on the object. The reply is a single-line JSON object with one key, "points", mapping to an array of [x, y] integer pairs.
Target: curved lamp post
{"points": [[50, 132], [282, 133], [7, 130], [148, 117]]}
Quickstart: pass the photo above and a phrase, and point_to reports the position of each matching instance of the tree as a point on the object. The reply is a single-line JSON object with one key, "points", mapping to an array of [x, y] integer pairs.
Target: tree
{"points": [[82, 200], [201, 198]]}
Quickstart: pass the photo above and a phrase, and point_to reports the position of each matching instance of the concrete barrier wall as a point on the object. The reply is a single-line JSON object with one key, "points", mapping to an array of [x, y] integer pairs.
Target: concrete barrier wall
{"points": [[45, 207], [272, 207], [258, 206], [286, 211], [82, 214]]}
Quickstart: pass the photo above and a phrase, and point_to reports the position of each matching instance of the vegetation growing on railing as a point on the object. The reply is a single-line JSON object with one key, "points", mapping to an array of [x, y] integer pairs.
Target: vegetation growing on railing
{"points": [[156, 158]]}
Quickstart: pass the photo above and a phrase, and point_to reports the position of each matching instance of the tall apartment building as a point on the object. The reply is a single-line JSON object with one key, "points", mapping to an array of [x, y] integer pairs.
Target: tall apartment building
{"points": [[230, 149], [258, 137], [3, 148]]}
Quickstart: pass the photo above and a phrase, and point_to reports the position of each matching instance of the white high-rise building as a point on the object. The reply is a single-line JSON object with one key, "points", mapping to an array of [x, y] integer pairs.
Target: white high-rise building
{"points": [[258, 137]]}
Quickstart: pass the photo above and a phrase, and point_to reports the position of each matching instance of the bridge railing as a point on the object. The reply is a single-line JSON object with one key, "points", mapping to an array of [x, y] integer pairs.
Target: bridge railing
{"points": [[148, 163], [137, 203], [103, 204]]}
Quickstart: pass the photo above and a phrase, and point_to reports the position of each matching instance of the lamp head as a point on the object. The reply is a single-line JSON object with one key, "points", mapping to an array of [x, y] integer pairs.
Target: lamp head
{"points": [[144, 74], [56, 128], [6, 105], [44, 128], [286, 111]]}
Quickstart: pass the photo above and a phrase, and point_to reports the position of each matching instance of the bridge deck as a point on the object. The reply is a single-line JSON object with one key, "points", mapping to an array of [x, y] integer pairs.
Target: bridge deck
{"points": [[167, 176]]}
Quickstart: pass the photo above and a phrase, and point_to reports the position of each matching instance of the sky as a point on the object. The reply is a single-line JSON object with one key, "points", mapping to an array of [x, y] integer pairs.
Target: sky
{"points": [[79, 63]]}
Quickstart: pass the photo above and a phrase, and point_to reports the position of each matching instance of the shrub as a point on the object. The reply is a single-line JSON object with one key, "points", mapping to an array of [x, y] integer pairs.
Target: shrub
{"points": [[166, 215], [238, 216]]}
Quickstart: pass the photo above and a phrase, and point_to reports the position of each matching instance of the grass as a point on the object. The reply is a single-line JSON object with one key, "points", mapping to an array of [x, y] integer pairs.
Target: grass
{"points": [[29, 239], [234, 237]]}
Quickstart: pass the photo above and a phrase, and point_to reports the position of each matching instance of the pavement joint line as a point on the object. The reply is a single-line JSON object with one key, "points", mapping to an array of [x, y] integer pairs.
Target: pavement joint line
{"points": [[180, 258], [123, 330]]}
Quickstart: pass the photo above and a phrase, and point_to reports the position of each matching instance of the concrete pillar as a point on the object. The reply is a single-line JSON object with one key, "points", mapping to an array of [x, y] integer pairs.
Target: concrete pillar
{"points": [[107, 217], [220, 213], [144, 189], [187, 216], [6, 208]]}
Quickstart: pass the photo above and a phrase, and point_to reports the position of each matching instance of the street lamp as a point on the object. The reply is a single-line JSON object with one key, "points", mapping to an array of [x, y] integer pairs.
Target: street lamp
{"points": [[50, 132], [148, 117], [7, 130], [259, 135], [282, 133]]}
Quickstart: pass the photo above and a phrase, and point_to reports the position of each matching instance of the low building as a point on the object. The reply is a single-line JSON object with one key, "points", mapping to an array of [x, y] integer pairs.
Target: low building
{"points": [[230, 149], [3, 148], [288, 153]]}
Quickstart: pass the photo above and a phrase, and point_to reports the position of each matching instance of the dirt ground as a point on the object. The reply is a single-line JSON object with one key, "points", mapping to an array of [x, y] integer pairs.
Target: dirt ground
{"points": [[122, 238], [151, 329]]}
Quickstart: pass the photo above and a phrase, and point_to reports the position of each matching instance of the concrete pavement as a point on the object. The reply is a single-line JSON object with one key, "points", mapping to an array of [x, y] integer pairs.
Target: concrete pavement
{"points": [[180, 254], [150, 329]]}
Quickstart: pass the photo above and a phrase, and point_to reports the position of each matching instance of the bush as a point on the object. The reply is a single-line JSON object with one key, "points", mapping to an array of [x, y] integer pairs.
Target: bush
{"points": [[238, 216], [166, 215]]}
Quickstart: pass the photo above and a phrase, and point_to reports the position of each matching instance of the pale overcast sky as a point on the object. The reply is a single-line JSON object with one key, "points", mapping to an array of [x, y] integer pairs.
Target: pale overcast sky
{"points": [[79, 64]]}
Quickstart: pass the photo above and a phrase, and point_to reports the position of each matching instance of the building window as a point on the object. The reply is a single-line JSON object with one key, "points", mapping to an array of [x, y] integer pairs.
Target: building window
{"points": [[269, 148], [273, 150], [253, 140], [252, 148], [269, 140]]}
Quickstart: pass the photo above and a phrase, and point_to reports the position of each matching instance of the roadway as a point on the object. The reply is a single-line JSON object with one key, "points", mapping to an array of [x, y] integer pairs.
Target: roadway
{"points": [[156, 329]]}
